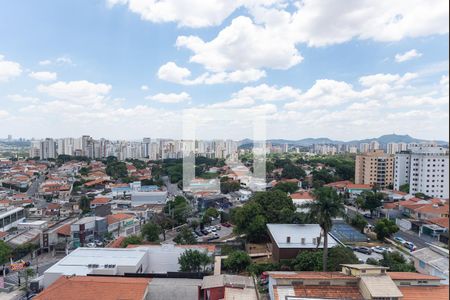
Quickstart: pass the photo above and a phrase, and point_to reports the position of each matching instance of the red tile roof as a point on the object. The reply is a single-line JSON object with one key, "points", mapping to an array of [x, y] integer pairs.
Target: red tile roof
{"points": [[443, 222], [100, 200], [359, 186], [117, 243], [424, 292], [309, 275], [433, 208], [393, 205], [327, 292], [3, 234], [411, 276], [302, 195], [117, 218], [64, 230], [95, 287]]}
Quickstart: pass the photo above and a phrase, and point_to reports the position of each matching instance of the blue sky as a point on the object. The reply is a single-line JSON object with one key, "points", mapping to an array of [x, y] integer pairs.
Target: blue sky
{"points": [[129, 68]]}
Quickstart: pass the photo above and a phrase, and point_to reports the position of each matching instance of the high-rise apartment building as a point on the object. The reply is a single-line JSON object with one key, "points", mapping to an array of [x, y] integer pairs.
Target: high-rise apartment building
{"points": [[48, 149], [374, 168], [364, 147], [425, 168]]}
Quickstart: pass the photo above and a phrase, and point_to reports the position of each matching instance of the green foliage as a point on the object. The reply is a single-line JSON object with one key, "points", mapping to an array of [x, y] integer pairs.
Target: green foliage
{"points": [[131, 240], [116, 169], [287, 187], [327, 206], [85, 204], [291, 171], [237, 261], [313, 260], [309, 261], [384, 228], [84, 171], [340, 255], [185, 237], [262, 208], [321, 177], [396, 262], [229, 186], [151, 231], [404, 188], [137, 163], [210, 213], [372, 200], [178, 209], [5, 252], [152, 181], [193, 261], [359, 222]]}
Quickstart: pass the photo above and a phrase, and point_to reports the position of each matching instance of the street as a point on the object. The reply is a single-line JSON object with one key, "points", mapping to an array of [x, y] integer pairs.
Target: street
{"points": [[420, 242]]}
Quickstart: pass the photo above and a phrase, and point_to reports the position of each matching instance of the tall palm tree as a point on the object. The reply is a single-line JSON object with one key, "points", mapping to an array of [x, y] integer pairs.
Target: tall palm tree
{"points": [[326, 206]]}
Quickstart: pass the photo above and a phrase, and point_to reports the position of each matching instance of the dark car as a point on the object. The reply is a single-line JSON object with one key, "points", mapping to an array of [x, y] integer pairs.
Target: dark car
{"points": [[364, 250], [368, 216], [6, 270]]}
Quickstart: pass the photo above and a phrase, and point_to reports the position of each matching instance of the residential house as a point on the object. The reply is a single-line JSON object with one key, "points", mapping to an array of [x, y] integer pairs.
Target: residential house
{"points": [[432, 260], [217, 287], [122, 224], [290, 239]]}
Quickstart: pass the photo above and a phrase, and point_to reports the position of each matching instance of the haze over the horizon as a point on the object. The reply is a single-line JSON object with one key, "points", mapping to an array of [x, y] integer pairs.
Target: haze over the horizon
{"points": [[127, 69]]}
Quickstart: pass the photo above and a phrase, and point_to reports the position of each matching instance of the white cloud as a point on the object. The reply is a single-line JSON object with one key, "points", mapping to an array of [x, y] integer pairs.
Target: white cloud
{"points": [[265, 92], [9, 69], [188, 13], [382, 79], [173, 73], [3, 113], [242, 45], [77, 92], [22, 99], [170, 98], [45, 62], [43, 76], [144, 87], [407, 55], [234, 103]]}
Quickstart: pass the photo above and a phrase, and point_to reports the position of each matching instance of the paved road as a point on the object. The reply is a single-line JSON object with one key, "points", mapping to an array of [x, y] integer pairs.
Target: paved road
{"points": [[172, 188], [420, 242], [33, 189]]}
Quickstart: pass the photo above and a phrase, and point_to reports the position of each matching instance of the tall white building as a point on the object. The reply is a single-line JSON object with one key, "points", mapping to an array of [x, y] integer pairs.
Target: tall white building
{"points": [[392, 148], [425, 168], [374, 145], [48, 149], [364, 147]]}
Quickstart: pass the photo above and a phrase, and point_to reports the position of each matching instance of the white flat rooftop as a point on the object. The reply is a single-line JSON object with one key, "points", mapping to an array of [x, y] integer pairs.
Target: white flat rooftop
{"points": [[77, 261], [297, 232]]}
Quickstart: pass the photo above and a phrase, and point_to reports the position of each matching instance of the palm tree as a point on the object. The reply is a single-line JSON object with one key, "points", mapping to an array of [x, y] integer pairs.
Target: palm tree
{"points": [[326, 206]]}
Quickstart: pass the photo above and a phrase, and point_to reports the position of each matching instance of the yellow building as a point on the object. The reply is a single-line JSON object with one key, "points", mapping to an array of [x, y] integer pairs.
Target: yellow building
{"points": [[374, 168]]}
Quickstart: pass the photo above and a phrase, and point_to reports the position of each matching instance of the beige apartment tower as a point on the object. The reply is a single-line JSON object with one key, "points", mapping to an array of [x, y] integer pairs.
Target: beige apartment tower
{"points": [[375, 168]]}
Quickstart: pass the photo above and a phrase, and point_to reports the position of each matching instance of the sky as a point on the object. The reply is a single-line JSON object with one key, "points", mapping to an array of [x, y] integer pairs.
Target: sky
{"points": [[127, 69]]}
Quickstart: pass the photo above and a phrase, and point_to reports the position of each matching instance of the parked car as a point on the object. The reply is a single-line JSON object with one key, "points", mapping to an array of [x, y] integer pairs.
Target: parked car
{"points": [[368, 215], [381, 250], [98, 243], [226, 224], [218, 227], [399, 240], [365, 250], [410, 246], [6, 270], [90, 245], [204, 231]]}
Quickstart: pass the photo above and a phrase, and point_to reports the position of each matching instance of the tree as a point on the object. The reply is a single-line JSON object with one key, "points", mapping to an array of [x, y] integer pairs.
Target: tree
{"points": [[359, 222], [287, 187], [372, 200], [85, 204], [5, 254], [116, 169], [178, 209], [309, 261], [131, 240], [85, 171], [28, 273], [291, 171], [328, 205], [396, 262], [404, 188], [210, 213], [151, 231], [164, 222], [237, 261], [262, 208], [193, 261], [185, 237], [229, 186], [384, 228], [340, 255]]}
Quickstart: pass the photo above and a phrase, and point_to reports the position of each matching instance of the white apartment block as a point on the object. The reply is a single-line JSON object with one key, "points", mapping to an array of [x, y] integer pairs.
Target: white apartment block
{"points": [[425, 168]]}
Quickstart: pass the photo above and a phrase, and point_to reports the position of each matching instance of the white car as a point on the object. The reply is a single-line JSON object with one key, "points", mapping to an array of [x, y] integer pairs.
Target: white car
{"points": [[90, 245], [381, 250]]}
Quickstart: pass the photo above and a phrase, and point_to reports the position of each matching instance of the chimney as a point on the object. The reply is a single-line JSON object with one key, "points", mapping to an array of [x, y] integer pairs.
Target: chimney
{"points": [[288, 239], [303, 241], [314, 241]]}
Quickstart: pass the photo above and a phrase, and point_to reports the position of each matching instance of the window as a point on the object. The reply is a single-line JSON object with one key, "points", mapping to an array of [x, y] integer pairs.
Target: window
{"points": [[324, 283]]}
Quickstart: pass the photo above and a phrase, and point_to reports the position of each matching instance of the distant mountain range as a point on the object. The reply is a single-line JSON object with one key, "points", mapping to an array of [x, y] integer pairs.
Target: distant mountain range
{"points": [[384, 139]]}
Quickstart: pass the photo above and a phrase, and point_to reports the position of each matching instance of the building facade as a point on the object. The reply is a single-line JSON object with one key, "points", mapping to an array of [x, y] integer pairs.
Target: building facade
{"points": [[374, 168], [425, 168]]}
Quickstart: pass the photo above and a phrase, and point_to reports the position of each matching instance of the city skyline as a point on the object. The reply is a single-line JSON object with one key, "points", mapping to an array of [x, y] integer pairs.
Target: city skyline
{"points": [[131, 68]]}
